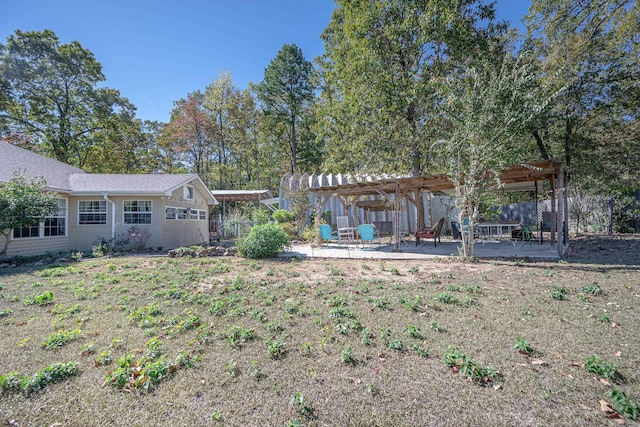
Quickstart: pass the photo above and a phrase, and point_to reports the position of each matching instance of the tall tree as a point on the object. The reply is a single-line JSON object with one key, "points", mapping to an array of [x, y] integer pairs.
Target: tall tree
{"points": [[592, 47], [381, 60], [286, 92], [190, 132], [49, 92]]}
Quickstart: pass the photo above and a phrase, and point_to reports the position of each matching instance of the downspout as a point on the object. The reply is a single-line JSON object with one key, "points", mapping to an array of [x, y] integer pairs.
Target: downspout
{"points": [[113, 215]]}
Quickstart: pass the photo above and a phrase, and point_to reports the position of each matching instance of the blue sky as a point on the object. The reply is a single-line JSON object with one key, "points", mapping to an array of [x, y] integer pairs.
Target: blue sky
{"points": [[155, 53]]}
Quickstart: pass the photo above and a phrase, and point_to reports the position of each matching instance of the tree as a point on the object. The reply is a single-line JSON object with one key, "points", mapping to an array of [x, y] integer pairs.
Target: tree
{"points": [[382, 58], [592, 48], [49, 95], [22, 204], [286, 93], [190, 133], [488, 106]]}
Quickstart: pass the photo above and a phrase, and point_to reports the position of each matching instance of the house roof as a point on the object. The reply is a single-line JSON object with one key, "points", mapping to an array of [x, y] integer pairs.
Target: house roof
{"points": [[241, 195], [32, 165], [136, 184], [68, 179]]}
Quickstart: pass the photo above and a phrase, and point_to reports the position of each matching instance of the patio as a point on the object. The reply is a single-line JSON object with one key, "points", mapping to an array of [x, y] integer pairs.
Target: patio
{"points": [[446, 248]]}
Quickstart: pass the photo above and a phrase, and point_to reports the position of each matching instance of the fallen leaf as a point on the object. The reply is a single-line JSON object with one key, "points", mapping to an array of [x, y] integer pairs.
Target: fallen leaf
{"points": [[618, 354], [538, 362], [614, 325], [605, 406], [585, 407], [497, 387], [605, 382]]}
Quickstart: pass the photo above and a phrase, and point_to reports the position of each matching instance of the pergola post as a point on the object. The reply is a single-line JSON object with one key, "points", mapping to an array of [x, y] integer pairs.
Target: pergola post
{"points": [[396, 220]]}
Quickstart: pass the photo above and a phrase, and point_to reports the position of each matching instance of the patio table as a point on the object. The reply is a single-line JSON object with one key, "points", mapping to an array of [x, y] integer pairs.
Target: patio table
{"points": [[489, 230]]}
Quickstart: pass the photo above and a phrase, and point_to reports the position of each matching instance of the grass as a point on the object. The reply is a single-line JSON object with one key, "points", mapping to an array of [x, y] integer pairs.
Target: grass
{"points": [[209, 342]]}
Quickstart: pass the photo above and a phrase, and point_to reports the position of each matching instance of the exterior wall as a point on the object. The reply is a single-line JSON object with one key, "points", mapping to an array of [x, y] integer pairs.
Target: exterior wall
{"points": [[83, 237], [162, 232], [35, 245], [184, 232]]}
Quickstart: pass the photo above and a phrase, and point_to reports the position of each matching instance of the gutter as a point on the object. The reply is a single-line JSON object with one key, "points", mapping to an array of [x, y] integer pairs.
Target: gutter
{"points": [[113, 215]]}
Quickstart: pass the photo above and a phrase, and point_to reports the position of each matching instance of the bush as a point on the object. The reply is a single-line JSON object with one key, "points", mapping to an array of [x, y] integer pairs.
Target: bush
{"points": [[282, 216], [263, 241]]}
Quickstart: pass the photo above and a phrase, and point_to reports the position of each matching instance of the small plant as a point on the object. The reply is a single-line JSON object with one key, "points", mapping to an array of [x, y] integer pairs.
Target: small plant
{"points": [[460, 363], [412, 331], [300, 405], [231, 368], [522, 345], [435, 325], [623, 405], [365, 337], [44, 298], [447, 298], [365, 266], [558, 292], [255, 371], [88, 349], [382, 302], [601, 367], [414, 270], [60, 338], [396, 344], [421, 349], [5, 312], [276, 349], [604, 317], [346, 355], [394, 271], [104, 358], [335, 271], [238, 335], [592, 289]]}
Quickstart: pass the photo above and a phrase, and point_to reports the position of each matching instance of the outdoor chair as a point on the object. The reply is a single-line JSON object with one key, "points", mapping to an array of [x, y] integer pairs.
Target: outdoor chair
{"points": [[523, 233], [368, 233], [343, 229], [327, 234], [430, 233]]}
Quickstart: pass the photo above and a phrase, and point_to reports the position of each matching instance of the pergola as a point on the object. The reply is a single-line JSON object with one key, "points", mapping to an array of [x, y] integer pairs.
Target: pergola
{"points": [[521, 177]]}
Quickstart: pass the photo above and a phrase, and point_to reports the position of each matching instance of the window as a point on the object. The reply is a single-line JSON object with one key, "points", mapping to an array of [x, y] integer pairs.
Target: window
{"points": [[52, 226], [56, 225], [24, 232], [202, 215], [188, 192], [170, 213], [181, 213], [137, 211], [91, 212]]}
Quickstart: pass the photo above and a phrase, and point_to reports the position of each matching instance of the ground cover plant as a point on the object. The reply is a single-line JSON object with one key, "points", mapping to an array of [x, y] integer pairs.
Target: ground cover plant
{"points": [[319, 342]]}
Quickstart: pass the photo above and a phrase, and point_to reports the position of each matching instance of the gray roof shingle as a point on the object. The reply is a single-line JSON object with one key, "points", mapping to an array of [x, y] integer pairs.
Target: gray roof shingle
{"points": [[32, 165], [128, 184]]}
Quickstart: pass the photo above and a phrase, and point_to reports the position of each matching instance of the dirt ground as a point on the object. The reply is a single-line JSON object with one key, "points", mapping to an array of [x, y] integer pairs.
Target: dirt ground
{"points": [[602, 249]]}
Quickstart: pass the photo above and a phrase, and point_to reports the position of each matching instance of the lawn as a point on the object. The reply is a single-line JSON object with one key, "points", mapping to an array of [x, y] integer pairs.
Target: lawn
{"points": [[230, 341]]}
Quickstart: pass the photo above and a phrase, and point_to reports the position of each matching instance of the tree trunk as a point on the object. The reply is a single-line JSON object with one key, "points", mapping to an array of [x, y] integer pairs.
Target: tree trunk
{"points": [[541, 148]]}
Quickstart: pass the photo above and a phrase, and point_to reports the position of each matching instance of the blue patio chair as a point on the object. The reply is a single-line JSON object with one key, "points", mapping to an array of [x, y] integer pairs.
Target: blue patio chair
{"points": [[327, 234], [368, 233]]}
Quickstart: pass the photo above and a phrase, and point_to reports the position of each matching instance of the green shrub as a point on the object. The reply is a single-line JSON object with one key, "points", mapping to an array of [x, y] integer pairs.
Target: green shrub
{"points": [[601, 367], [263, 241], [282, 215]]}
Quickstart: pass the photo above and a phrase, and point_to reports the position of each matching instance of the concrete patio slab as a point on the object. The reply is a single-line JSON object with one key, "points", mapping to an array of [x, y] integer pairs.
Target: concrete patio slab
{"points": [[447, 248]]}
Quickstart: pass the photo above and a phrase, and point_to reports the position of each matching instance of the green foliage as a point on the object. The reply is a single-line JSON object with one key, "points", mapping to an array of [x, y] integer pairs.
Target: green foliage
{"points": [[263, 241], [281, 216], [236, 336], [300, 405], [276, 348], [346, 355], [522, 345], [623, 405], [447, 298], [558, 292], [466, 366], [601, 367], [56, 372], [55, 98], [591, 289], [44, 298], [23, 203], [60, 338]]}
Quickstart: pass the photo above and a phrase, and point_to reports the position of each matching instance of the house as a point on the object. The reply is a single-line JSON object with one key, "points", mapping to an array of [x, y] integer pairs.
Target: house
{"points": [[163, 210]]}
